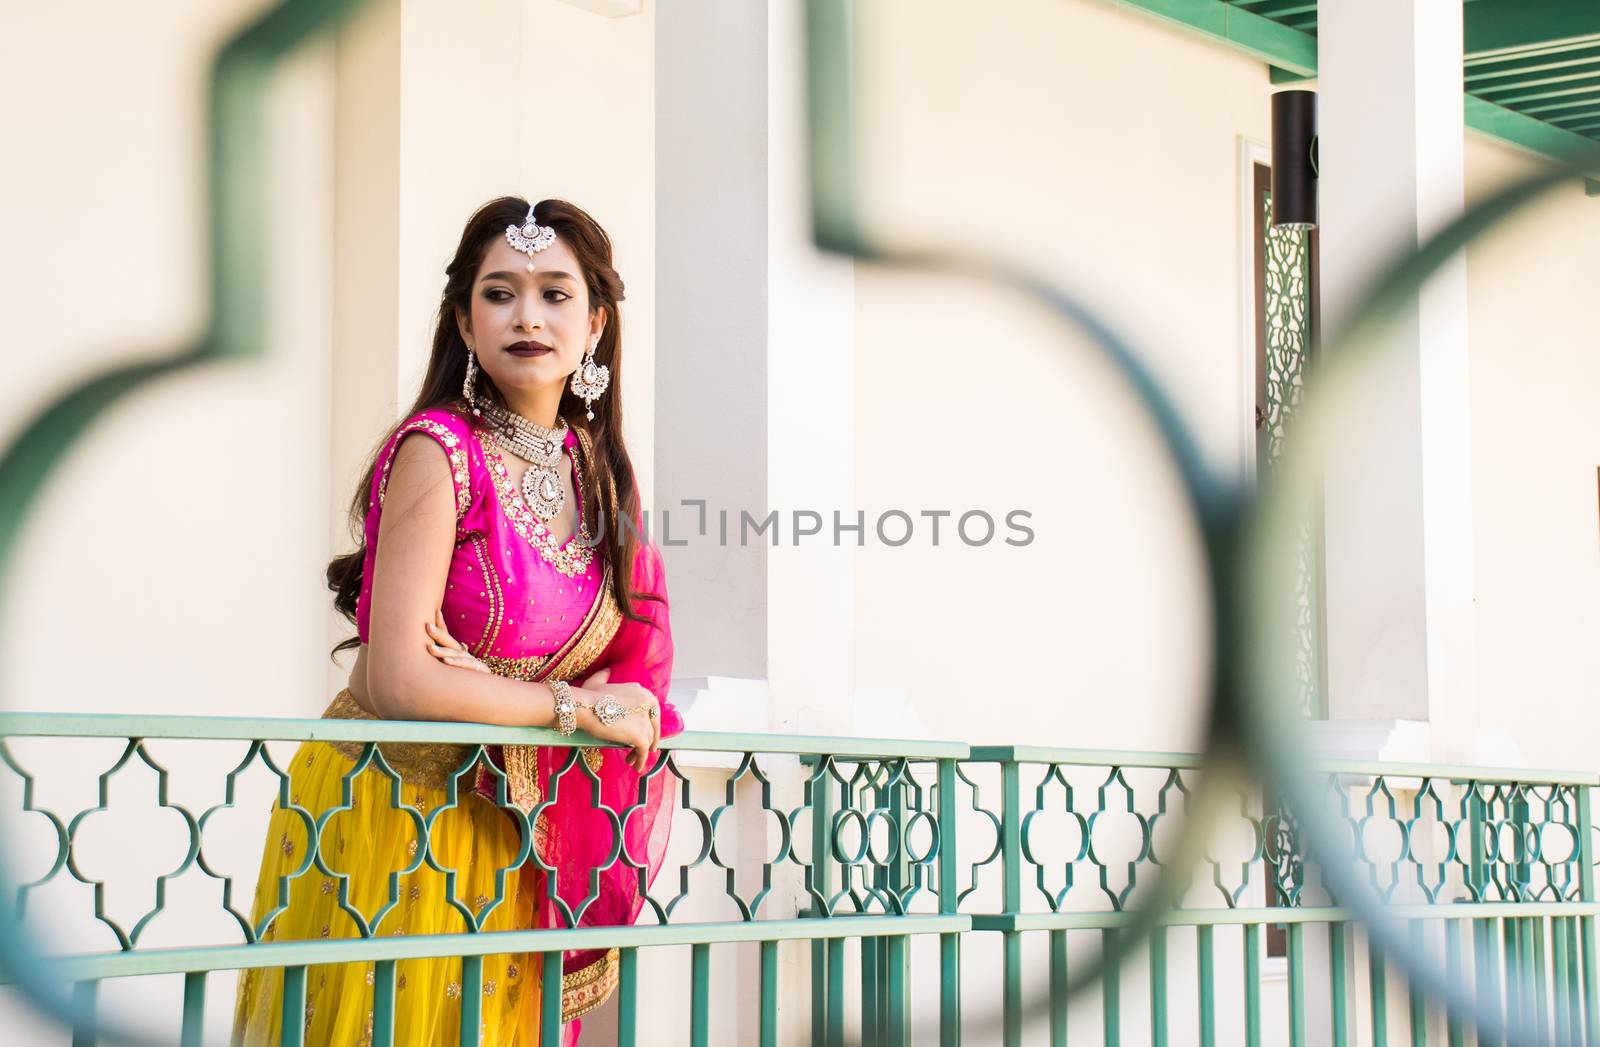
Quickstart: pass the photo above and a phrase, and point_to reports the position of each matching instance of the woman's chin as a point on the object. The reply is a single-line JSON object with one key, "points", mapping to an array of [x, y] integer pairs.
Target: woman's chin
{"points": [[533, 379]]}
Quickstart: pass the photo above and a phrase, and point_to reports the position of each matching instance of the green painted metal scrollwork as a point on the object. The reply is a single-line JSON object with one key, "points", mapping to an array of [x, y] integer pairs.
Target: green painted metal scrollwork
{"points": [[1247, 536]]}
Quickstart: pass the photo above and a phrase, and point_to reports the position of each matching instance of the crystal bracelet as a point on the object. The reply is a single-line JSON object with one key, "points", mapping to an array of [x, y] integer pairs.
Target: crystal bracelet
{"points": [[566, 708]]}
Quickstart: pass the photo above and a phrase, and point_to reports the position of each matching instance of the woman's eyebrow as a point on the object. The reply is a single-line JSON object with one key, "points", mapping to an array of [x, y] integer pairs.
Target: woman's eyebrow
{"points": [[549, 274]]}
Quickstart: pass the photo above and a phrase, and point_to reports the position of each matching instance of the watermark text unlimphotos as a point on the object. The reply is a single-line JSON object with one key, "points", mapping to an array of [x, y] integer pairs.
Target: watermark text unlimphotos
{"points": [[695, 522]]}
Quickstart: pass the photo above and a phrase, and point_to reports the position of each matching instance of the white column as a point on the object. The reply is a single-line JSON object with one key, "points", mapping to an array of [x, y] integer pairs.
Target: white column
{"points": [[755, 413], [811, 407], [754, 390], [1399, 523], [711, 377]]}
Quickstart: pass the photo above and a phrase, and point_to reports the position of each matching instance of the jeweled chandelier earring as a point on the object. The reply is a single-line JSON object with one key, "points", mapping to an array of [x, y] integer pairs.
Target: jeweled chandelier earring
{"points": [[590, 380], [469, 384], [530, 237]]}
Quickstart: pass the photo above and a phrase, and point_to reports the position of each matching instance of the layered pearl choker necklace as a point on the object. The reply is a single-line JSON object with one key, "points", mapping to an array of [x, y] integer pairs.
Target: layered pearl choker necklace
{"points": [[542, 446]]}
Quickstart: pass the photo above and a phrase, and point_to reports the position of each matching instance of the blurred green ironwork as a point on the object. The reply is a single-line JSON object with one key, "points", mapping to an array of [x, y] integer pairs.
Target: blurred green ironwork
{"points": [[236, 224], [1247, 536]]}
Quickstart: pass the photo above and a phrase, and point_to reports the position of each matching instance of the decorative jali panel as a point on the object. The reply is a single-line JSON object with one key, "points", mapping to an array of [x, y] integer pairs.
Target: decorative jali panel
{"points": [[1284, 284]]}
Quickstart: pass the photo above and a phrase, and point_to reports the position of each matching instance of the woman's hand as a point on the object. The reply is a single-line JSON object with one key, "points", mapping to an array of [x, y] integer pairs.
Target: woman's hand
{"points": [[444, 647], [640, 730]]}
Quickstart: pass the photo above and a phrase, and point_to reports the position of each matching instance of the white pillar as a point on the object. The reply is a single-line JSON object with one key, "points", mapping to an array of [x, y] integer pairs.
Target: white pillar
{"points": [[1399, 513], [711, 377], [754, 394], [811, 406], [755, 413]]}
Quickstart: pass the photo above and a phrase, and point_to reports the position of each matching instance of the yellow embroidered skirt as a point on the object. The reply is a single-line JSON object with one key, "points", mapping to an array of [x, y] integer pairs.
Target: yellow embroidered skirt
{"points": [[367, 843]]}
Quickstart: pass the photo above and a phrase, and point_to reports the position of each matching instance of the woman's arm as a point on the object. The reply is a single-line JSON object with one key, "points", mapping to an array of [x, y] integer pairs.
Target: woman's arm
{"points": [[405, 679], [416, 538]]}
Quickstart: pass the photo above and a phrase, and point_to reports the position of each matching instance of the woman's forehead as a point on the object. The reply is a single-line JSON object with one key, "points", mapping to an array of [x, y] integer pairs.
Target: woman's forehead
{"points": [[502, 257]]}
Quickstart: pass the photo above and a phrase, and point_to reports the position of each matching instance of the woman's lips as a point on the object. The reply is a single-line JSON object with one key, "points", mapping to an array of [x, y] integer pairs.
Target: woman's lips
{"points": [[528, 349]]}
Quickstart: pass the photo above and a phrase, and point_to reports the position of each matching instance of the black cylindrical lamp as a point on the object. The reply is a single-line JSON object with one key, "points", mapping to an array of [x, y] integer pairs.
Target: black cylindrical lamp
{"points": [[1294, 159]]}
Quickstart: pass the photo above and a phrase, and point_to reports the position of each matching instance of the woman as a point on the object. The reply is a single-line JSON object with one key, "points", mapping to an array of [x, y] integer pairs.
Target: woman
{"points": [[485, 519]]}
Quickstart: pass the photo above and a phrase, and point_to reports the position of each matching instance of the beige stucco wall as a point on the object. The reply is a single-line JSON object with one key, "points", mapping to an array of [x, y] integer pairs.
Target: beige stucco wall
{"points": [[1030, 135], [171, 565], [1535, 452]]}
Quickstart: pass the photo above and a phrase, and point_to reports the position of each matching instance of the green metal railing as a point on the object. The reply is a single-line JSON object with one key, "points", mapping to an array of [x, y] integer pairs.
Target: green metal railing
{"points": [[890, 840]]}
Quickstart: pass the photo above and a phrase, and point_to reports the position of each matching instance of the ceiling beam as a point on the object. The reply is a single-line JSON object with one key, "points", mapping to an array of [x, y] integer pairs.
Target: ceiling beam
{"points": [[1280, 9], [1493, 61], [1293, 55], [1536, 136], [1587, 101], [1526, 132], [1515, 94], [1501, 26], [1534, 76], [1237, 28]]}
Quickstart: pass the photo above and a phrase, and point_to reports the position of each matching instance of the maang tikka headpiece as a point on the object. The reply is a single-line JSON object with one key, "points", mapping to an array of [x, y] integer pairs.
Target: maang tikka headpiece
{"points": [[530, 237]]}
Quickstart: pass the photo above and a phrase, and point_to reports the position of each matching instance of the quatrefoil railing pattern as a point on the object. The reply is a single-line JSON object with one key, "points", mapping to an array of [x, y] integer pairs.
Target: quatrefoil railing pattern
{"points": [[308, 836], [844, 832], [1089, 830], [776, 827]]}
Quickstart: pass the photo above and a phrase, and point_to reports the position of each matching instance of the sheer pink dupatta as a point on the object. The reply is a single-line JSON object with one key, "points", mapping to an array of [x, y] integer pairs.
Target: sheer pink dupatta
{"points": [[579, 836]]}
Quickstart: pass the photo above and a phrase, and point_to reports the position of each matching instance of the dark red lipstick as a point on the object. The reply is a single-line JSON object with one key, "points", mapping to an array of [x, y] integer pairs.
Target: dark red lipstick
{"points": [[528, 349]]}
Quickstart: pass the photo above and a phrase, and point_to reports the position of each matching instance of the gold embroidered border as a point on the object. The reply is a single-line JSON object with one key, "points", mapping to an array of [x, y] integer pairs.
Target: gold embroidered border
{"points": [[452, 448], [491, 592], [588, 987], [522, 775], [529, 669], [522, 786], [428, 764]]}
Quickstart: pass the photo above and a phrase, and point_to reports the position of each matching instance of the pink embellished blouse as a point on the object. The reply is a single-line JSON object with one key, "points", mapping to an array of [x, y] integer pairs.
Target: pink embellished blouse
{"points": [[513, 595]]}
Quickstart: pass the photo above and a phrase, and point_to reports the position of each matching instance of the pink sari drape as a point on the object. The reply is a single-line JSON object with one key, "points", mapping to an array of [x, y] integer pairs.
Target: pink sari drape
{"points": [[582, 876], [580, 836]]}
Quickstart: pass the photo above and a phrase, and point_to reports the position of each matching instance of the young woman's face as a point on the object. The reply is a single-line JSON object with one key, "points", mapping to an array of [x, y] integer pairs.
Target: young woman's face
{"points": [[530, 330]]}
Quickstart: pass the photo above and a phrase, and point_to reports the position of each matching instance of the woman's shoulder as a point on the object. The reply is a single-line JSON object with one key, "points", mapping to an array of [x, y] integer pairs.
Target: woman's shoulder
{"points": [[450, 429], [447, 420]]}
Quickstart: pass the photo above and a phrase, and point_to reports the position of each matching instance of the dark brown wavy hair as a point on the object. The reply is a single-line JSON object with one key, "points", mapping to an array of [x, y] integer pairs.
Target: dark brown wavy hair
{"points": [[613, 494]]}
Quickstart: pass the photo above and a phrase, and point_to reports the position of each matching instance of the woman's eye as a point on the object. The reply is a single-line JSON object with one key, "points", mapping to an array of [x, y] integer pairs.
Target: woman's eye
{"points": [[555, 295], [498, 295]]}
